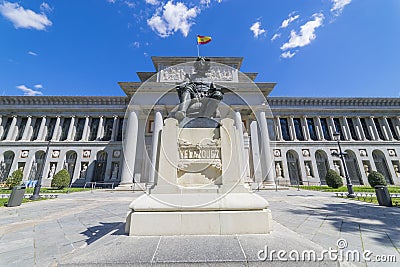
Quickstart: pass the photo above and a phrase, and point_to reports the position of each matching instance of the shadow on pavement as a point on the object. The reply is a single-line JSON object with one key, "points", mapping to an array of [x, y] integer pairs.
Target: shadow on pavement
{"points": [[94, 233]]}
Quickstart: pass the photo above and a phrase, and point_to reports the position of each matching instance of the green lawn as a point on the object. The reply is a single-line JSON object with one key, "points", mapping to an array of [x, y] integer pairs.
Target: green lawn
{"points": [[369, 199], [366, 189], [3, 201], [48, 190]]}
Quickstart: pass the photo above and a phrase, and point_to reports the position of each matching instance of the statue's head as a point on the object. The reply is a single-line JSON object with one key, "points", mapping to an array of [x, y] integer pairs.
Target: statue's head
{"points": [[202, 65]]}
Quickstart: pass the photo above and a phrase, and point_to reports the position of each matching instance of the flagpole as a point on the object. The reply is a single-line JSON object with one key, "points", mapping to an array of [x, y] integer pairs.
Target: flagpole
{"points": [[198, 50]]}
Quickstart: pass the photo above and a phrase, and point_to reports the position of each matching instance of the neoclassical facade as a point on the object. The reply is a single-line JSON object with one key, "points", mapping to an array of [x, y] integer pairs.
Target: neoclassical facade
{"points": [[287, 140]]}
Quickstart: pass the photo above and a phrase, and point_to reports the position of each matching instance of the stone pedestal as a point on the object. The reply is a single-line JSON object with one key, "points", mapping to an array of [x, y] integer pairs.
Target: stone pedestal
{"points": [[199, 187]]}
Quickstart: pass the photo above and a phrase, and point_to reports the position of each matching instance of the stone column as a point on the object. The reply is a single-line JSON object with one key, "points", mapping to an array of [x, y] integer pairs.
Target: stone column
{"points": [[359, 128], [158, 124], [331, 127], [27, 130], [318, 128], [255, 148], [304, 128], [292, 131], [386, 129], [114, 128], [397, 125], [278, 129], [266, 157], [71, 129], [56, 129], [42, 127], [11, 130], [346, 129], [129, 147], [100, 130], [85, 129], [373, 130], [1, 126]]}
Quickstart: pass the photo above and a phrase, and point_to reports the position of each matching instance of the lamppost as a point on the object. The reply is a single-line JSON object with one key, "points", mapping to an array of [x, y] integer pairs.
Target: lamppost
{"points": [[341, 155], [36, 191]]}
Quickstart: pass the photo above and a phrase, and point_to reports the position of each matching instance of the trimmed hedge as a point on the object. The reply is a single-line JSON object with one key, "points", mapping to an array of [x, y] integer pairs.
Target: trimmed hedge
{"points": [[376, 178], [15, 178], [333, 179], [61, 179]]}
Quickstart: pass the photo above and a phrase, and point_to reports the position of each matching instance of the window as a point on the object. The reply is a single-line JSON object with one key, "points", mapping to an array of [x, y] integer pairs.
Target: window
{"points": [[6, 128], [65, 129], [365, 129], [120, 127], [50, 129], [285, 129], [36, 127], [297, 129], [352, 129], [379, 128], [325, 129], [338, 128], [271, 129], [79, 129], [21, 128], [392, 129], [311, 129], [108, 127], [94, 128]]}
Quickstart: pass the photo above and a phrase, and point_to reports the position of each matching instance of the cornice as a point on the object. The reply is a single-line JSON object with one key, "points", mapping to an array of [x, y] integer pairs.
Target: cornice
{"points": [[64, 100], [308, 102]]}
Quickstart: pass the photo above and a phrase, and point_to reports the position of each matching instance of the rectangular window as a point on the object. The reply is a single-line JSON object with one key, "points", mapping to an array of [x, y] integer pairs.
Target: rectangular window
{"points": [[365, 129], [79, 129], [7, 125], [311, 129], [285, 129], [21, 128], [297, 129], [65, 129], [352, 129], [94, 128], [108, 126], [120, 127], [50, 128], [392, 128], [338, 128], [325, 129], [379, 128], [271, 129]]}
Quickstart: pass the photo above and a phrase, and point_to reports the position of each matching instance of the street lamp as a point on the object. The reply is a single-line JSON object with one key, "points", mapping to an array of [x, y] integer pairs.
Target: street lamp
{"points": [[341, 155], [36, 191]]}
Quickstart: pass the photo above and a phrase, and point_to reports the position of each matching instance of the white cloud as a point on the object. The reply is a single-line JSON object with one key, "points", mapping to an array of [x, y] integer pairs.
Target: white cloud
{"points": [[276, 36], [129, 4], [152, 2], [288, 54], [338, 6], [256, 29], [45, 7], [28, 91], [38, 86], [289, 20], [174, 17], [306, 35], [136, 44], [32, 53], [111, 1], [24, 18]]}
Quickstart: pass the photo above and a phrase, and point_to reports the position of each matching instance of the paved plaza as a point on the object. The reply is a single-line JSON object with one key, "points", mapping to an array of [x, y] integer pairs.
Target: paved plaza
{"points": [[87, 229]]}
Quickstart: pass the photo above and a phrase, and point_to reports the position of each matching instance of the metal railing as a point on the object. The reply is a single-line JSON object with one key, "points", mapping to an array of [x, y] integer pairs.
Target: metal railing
{"points": [[94, 184]]}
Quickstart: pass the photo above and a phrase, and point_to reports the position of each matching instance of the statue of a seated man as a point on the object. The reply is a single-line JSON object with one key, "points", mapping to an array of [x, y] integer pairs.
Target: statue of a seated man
{"points": [[198, 92]]}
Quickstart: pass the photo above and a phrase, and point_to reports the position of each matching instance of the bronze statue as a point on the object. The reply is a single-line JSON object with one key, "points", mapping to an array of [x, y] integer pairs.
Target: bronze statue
{"points": [[198, 95]]}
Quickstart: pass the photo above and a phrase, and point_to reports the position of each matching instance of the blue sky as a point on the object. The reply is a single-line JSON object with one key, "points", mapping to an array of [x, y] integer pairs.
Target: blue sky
{"points": [[322, 48]]}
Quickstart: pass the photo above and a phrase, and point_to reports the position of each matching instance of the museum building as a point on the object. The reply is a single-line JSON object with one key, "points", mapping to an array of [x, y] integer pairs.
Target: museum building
{"points": [[286, 140]]}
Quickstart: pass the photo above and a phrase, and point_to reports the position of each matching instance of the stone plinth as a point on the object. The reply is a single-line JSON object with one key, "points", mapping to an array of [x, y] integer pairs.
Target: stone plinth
{"points": [[199, 187]]}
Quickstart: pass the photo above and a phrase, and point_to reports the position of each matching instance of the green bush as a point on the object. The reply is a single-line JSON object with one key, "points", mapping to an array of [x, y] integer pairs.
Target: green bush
{"points": [[333, 179], [15, 178], [61, 179], [375, 178]]}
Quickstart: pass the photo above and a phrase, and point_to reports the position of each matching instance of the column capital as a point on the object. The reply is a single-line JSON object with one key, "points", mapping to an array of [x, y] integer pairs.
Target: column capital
{"points": [[115, 116], [43, 116]]}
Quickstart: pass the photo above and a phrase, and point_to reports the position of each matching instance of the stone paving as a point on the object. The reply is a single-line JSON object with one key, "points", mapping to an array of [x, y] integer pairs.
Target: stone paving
{"points": [[87, 229]]}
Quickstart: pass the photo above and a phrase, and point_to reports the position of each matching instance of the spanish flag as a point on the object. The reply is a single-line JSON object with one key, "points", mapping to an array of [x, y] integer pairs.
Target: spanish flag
{"points": [[203, 39]]}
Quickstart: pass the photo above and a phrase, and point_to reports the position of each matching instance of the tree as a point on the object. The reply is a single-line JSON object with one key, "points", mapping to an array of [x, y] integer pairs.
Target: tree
{"points": [[333, 179], [375, 178], [61, 179], [15, 178]]}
